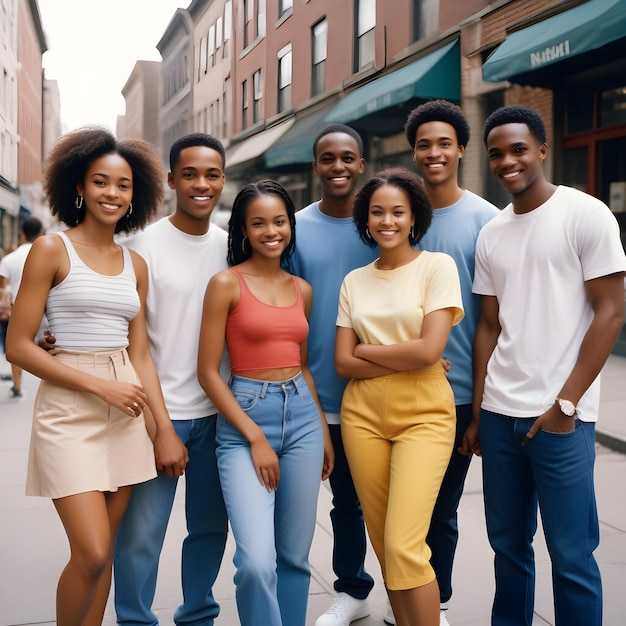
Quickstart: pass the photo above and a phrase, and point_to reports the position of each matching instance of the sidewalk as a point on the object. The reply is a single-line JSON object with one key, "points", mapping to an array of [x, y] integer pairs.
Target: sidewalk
{"points": [[33, 547]]}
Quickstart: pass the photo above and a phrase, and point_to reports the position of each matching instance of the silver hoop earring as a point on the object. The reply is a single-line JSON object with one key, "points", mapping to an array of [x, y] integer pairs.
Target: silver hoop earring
{"points": [[412, 233], [130, 209], [78, 203], [367, 233], [243, 245]]}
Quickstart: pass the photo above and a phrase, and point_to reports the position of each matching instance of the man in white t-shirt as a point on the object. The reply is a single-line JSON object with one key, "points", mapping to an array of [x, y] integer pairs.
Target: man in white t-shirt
{"points": [[182, 253], [11, 268], [549, 270]]}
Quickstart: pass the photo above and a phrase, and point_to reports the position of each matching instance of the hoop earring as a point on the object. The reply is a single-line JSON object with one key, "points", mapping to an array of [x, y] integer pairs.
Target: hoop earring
{"points": [[412, 234], [367, 233], [78, 202], [130, 210], [243, 245]]}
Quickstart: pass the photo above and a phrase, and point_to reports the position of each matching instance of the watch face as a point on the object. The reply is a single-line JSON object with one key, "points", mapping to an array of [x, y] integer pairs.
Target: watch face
{"points": [[567, 407]]}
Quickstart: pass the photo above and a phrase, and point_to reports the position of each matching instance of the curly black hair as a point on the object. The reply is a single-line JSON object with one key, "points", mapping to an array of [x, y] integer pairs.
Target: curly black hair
{"points": [[438, 111], [70, 158], [192, 140], [516, 115], [403, 179], [238, 251]]}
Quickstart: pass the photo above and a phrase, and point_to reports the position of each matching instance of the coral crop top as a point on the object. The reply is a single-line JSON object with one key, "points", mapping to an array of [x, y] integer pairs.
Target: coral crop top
{"points": [[260, 336]]}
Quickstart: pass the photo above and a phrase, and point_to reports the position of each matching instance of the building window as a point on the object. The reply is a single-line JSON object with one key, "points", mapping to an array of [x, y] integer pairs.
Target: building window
{"points": [[366, 23], [284, 6], [248, 17], [284, 78], [260, 18], [202, 58], [211, 46], [218, 33], [225, 114], [319, 47], [228, 25], [425, 18], [258, 94], [244, 104]]}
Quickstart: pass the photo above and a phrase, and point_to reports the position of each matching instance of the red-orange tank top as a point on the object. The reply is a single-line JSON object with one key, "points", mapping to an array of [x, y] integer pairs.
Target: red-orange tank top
{"points": [[260, 336]]}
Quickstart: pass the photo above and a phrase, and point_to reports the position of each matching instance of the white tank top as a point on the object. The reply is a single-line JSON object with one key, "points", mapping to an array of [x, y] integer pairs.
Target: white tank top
{"points": [[91, 311]]}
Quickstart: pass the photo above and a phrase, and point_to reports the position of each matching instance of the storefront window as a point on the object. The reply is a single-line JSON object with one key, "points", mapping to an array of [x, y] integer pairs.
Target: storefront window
{"points": [[575, 168], [613, 107], [579, 112]]}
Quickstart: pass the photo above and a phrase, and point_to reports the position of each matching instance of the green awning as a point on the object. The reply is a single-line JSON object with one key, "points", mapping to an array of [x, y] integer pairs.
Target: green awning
{"points": [[437, 75], [295, 147], [582, 29]]}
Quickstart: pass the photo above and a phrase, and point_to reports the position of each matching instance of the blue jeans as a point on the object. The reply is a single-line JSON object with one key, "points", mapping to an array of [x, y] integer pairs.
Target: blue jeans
{"points": [[555, 472], [142, 531], [443, 534], [273, 530], [349, 542]]}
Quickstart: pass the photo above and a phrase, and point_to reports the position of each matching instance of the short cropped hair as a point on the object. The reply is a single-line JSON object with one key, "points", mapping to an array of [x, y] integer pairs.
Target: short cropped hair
{"points": [[403, 179], [516, 115], [338, 128], [70, 158], [192, 140], [238, 251], [438, 111], [31, 227]]}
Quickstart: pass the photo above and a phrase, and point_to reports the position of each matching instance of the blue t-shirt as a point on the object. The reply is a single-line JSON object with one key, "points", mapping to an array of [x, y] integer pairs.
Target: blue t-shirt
{"points": [[454, 230], [327, 248]]}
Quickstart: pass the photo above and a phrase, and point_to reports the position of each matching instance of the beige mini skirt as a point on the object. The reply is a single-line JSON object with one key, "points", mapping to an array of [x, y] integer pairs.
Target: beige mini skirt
{"points": [[80, 443]]}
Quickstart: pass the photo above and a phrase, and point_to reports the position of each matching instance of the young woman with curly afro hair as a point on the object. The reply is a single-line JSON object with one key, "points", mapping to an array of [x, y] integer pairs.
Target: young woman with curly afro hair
{"points": [[90, 442]]}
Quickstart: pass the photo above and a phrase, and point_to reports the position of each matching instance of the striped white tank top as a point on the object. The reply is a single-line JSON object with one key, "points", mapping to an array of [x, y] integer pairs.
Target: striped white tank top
{"points": [[88, 311]]}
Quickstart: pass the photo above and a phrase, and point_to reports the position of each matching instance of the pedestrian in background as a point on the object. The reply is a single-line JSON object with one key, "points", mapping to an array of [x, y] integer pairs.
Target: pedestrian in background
{"points": [[11, 269], [182, 252], [273, 441], [438, 134], [89, 442], [549, 270], [327, 247], [397, 415]]}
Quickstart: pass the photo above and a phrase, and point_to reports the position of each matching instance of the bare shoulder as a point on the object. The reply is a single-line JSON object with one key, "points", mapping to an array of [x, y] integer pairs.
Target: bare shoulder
{"points": [[305, 288], [139, 263], [48, 248]]}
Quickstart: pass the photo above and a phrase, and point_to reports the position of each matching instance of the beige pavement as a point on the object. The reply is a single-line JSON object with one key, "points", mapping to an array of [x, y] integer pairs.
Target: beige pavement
{"points": [[33, 548]]}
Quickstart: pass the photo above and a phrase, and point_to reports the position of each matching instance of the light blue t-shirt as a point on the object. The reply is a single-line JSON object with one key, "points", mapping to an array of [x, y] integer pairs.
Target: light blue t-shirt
{"points": [[327, 248], [454, 230]]}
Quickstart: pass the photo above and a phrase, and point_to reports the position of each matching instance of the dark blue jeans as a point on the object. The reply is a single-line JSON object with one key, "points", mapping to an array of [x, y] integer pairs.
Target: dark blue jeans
{"points": [[142, 531], [554, 472], [349, 541], [443, 534]]}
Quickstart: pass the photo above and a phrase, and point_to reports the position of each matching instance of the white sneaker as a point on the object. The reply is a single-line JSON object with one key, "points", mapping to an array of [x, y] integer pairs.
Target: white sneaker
{"points": [[389, 617], [443, 620], [344, 610]]}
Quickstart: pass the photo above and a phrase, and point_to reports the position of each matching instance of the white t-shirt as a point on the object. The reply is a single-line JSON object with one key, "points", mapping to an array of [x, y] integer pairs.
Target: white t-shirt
{"points": [[536, 265], [179, 269], [12, 267]]}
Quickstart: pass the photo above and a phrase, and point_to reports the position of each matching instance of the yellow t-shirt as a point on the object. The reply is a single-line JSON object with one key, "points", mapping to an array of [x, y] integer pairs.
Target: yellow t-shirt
{"points": [[385, 307]]}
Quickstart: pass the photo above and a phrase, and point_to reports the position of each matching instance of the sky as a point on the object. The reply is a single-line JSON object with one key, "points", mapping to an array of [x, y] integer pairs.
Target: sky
{"points": [[92, 49]]}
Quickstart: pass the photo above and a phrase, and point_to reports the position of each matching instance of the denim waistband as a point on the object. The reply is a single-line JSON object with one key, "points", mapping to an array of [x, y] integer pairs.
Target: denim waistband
{"points": [[268, 386]]}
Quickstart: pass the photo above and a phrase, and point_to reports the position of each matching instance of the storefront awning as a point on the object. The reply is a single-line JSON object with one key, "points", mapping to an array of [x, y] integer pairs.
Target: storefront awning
{"points": [[437, 75], [295, 147], [255, 145], [582, 29]]}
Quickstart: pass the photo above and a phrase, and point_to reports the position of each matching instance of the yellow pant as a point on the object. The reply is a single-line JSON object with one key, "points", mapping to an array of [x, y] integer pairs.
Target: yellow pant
{"points": [[398, 432]]}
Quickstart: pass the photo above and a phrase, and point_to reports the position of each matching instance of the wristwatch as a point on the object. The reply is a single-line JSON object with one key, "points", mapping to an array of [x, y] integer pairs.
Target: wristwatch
{"points": [[567, 407]]}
